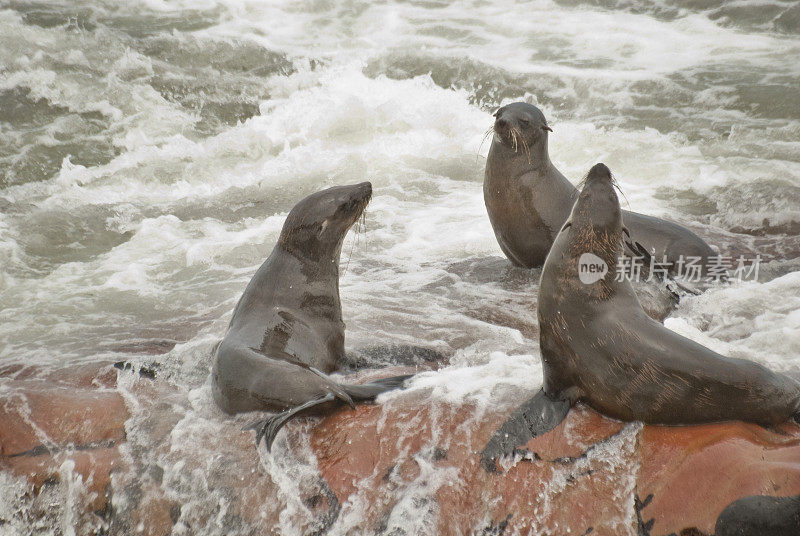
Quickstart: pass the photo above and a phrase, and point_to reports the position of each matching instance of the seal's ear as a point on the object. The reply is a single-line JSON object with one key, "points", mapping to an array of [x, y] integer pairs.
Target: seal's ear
{"points": [[545, 127], [496, 112]]}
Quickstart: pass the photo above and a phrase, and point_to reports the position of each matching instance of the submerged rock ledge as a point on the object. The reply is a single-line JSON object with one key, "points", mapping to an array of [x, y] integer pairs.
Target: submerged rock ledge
{"points": [[63, 436]]}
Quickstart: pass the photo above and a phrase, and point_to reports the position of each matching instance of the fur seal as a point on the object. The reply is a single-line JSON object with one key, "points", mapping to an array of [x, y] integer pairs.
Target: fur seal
{"points": [[287, 333], [759, 515], [598, 345], [528, 199]]}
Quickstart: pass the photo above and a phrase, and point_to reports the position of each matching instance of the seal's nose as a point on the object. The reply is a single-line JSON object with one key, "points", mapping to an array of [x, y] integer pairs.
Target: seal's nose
{"points": [[363, 190], [599, 171], [501, 122]]}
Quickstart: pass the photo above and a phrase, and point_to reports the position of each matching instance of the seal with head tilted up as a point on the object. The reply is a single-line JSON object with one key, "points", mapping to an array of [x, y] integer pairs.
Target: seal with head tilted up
{"points": [[287, 333], [599, 347], [528, 199]]}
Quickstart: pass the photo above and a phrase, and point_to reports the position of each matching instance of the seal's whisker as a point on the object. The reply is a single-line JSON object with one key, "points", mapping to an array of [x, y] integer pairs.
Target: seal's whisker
{"points": [[349, 255], [527, 149], [614, 183], [617, 186], [352, 245], [360, 228], [486, 134], [364, 227]]}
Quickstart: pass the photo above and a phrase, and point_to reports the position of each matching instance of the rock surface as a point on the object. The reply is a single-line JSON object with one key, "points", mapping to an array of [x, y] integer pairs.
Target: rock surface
{"points": [[590, 472], [407, 464], [63, 428]]}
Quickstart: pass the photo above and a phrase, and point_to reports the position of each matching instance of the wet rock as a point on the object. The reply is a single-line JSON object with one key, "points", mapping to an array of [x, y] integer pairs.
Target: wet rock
{"points": [[192, 470], [376, 459], [92, 466], [61, 430], [695, 472], [39, 414], [590, 475], [85, 375], [154, 516], [406, 465]]}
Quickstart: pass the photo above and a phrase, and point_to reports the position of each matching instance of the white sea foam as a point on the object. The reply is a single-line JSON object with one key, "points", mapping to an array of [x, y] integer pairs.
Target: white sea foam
{"points": [[200, 155]]}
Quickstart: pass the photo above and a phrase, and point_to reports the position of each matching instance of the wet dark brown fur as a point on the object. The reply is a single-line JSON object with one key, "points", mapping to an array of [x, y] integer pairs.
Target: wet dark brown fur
{"points": [[528, 199], [287, 333], [599, 346]]}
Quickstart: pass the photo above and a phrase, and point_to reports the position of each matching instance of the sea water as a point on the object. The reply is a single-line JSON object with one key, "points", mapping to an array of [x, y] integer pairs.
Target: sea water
{"points": [[149, 152]]}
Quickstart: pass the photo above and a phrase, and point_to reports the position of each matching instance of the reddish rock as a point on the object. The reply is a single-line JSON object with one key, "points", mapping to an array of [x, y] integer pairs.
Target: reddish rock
{"points": [[154, 515], [40, 412], [586, 473], [373, 453], [93, 466], [406, 463], [63, 424], [220, 459], [93, 375], [694, 472]]}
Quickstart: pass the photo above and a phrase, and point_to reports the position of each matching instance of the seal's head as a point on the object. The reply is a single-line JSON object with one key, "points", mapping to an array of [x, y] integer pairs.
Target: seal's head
{"points": [[597, 206], [520, 125], [595, 225], [317, 225]]}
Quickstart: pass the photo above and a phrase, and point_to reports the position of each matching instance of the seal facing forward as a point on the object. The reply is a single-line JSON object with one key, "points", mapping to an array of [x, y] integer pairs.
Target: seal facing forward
{"points": [[598, 345], [287, 333], [528, 199]]}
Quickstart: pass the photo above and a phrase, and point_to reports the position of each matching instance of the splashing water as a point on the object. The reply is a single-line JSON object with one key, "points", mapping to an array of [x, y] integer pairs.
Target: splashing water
{"points": [[149, 154]]}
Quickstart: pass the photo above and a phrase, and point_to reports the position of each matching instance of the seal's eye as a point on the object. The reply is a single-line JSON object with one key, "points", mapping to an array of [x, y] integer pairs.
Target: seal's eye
{"points": [[525, 122]]}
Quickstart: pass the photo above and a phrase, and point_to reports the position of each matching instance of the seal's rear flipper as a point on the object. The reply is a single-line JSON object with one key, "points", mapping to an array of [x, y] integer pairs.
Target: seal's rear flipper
{"points": [[369, 391], [538, 415], [268, 428], [394, 354], [686, 287]]}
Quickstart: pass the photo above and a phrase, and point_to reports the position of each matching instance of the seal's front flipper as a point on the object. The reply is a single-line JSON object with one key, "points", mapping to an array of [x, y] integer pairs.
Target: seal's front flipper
{"points": [[268, 428], [538, 415]]}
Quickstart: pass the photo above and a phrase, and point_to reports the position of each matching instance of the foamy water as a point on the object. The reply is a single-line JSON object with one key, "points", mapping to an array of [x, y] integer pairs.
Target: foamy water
{"points": [[149, 153]]}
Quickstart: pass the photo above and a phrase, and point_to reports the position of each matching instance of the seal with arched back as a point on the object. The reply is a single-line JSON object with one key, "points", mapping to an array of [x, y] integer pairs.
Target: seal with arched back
{"points": [[599, 347], [286, 333], [528, 199]]}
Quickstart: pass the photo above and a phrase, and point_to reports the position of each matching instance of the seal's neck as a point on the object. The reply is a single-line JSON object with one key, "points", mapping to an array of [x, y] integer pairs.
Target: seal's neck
{"points": [[540, 155], [316, 263]]}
